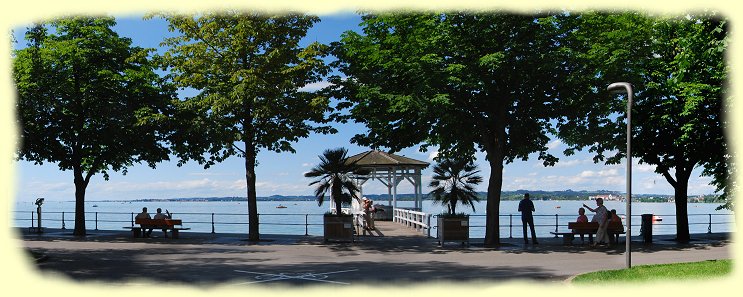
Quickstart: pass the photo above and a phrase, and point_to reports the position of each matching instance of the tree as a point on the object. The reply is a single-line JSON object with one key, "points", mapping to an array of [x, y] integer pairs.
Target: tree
{"points": [[678, 70], [333, 175], [454, 182], [248, 69], [461, 81], [89, 101]]}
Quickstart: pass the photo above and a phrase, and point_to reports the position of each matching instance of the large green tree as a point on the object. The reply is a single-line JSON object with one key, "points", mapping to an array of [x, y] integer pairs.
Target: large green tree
{"points": [[248, 69], [461, 81], [89, 101], [677, 67]]}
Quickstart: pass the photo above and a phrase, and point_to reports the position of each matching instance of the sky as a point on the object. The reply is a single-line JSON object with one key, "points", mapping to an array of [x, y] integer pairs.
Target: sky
{"points": [[282, 173]]}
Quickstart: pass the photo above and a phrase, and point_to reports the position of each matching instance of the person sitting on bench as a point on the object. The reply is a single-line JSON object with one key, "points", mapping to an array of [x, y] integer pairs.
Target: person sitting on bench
{"points": [[144, 215], [582, 218], [161, 216]]}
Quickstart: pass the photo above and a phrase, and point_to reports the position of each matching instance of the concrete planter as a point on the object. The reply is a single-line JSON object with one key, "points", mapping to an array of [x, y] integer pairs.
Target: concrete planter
{"points": [[338, 228], [454, 229]]}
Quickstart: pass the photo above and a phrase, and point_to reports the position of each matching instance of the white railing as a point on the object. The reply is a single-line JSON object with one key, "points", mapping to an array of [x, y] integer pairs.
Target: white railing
{"points": [[420, 221]]}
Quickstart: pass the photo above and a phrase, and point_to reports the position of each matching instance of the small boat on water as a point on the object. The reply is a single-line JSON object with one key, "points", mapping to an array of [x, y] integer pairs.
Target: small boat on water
{"points": [[657, 219], [95, 205], [280, 206], [558, 206]]}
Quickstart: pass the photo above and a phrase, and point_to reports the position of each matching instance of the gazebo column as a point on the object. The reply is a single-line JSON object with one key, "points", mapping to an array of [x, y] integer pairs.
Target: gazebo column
{"points": [[418, 190], [394, 187], [390, 198]]}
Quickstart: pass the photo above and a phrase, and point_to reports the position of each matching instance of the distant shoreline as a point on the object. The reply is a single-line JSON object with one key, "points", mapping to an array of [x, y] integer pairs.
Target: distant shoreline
{"points": [[505, 196]]}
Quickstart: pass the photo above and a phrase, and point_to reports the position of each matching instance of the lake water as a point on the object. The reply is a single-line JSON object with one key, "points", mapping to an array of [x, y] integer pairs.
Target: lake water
{"points": [[305, 217]]}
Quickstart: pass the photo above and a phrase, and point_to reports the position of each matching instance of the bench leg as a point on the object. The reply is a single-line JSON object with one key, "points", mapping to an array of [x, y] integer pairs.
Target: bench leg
{"points": [[175, 233], [590, 238], [567, 239], [136, 232]]}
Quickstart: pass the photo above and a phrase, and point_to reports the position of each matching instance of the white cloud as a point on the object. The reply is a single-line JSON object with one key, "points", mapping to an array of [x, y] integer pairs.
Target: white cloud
{"points": [[643, 167], [611, 172], [306, 164], [569, 163], [554, 144], [433, 154], [315, 86]]}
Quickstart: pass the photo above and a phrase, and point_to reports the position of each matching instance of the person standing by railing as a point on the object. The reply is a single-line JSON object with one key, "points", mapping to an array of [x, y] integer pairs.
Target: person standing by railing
{"points": [[526, 207]]}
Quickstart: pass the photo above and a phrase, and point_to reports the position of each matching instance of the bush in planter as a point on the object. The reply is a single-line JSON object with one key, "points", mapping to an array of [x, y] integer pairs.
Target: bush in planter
{"points": [[333, 175], [337, 227], [454, 182], [453, 227]]}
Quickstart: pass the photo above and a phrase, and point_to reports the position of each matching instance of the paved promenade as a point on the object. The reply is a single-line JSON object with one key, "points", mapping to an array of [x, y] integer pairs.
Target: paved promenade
{"points": [[391, 255]]}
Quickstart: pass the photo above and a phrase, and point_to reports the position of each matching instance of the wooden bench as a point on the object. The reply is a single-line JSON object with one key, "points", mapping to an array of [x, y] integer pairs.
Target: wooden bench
{"points": [[614, 229], [163, 224]]}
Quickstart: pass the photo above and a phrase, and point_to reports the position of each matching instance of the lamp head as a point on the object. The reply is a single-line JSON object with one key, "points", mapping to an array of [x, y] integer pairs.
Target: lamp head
{"points": [[39, 201], [619, 87]]}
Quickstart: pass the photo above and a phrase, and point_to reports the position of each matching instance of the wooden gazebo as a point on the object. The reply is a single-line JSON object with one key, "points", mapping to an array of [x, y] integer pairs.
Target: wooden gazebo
{"points": [[390, 170]]}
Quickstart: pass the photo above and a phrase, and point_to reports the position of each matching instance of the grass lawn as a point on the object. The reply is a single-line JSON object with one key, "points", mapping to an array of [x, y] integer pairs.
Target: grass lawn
{"points": [[644, 273]]}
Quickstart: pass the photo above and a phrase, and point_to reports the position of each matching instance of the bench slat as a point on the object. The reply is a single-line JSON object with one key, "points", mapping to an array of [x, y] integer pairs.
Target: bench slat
{"points": [[592, 227], [158, 222]]}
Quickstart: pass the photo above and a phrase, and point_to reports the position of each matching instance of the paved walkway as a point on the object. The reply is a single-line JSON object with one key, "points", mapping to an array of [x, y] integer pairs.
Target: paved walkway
{"points": [[216, 259]]}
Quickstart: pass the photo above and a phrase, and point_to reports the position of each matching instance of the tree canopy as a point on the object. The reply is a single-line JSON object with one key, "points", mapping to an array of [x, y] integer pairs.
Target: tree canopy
{"points": [[461, 81], [249, 71], [678, 70], [89, 101]]}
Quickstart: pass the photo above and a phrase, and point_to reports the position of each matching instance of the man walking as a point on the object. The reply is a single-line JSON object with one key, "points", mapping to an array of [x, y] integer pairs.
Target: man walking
{"points": [[526, 207]]}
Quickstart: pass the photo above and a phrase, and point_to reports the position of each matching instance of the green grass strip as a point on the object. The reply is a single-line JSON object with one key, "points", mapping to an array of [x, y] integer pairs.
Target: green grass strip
{"points": [[647, 273]]}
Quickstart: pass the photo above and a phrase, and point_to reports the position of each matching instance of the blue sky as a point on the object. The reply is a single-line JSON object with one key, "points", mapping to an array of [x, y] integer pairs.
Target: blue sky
{"points": [[282, 174]]}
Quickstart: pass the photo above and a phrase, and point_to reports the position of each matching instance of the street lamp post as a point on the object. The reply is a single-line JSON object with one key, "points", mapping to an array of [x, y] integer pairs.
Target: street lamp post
{"points": [[624, 87]]}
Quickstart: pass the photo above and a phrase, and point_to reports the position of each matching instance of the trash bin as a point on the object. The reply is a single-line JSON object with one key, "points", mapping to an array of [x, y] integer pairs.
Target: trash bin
{"points": [[647, 228]]}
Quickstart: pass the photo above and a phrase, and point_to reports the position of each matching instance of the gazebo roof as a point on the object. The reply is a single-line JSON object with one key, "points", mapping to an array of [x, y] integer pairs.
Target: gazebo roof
{"points": [[375, 158]]}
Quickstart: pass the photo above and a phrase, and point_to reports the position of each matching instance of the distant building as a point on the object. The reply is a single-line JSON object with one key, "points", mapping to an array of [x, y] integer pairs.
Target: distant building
{"points": [[606, 197]]}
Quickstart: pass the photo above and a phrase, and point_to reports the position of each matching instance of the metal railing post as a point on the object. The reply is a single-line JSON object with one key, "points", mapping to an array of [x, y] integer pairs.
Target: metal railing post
{"points": [[32, 219], [709, 227], [63, 226], [96, 220], [306, 224], [132, 219], [556, 224], [510, 226], [213, 223]]}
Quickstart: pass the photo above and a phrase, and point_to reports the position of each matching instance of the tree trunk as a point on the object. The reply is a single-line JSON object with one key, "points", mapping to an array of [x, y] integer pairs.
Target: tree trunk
{"points": [[681, 198], [250, 178], [495, 183], [335, 192], [80, 186], [495, 147]]}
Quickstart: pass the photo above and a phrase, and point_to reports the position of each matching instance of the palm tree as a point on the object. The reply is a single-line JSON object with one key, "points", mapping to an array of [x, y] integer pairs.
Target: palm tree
{"points": [[334, 176], [454, 182]]}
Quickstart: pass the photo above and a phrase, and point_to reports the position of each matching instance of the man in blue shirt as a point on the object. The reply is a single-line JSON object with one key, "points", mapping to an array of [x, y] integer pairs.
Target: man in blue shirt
{"points": [[526, 207]]}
